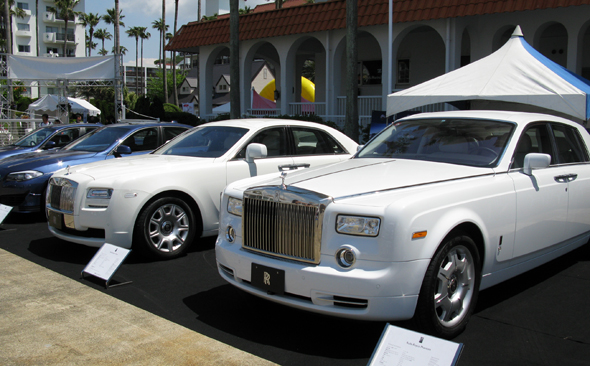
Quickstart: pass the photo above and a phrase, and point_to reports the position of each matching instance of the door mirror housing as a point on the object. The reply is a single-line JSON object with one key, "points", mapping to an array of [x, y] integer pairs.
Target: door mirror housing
{"points": [[535, 161], [255, 151]]}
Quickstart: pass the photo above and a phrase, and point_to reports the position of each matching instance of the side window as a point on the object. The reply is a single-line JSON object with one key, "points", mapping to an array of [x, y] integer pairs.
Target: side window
{"points": [[273, 138], [172, 132], [567, 141], [535, 139], [64, 137], [310, 141], [143, 140]]}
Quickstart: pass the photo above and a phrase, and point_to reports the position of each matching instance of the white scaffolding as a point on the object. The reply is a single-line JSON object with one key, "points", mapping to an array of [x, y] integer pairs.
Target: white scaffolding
{"points": [[62, 74]]}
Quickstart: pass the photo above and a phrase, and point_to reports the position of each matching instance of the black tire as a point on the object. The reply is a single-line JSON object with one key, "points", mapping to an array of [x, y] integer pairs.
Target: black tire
{"points": [[165, 228], [451, 285]]}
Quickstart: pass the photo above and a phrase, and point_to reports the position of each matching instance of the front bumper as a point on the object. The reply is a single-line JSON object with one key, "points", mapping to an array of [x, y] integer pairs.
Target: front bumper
{"points": [[372, 290]]}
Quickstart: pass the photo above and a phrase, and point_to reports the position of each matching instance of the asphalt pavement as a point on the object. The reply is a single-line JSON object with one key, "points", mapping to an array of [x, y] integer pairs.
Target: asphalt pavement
{"points": [[181, 312]]}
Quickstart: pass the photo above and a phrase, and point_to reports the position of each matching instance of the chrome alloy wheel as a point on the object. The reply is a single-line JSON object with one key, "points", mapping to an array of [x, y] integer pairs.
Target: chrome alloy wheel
{"points": [[455, 286], [168, 228]]}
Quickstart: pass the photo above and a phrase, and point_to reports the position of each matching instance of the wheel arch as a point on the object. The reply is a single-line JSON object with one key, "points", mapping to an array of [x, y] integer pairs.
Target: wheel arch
{"points": [[475, 233]]}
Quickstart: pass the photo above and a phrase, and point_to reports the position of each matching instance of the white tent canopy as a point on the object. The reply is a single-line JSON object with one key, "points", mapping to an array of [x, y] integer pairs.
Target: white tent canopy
{"points": [[515, 73], [52, 103]]}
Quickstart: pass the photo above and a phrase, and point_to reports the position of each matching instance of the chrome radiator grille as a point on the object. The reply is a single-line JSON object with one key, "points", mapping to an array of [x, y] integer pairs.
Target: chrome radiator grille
{"points": [[283, 223], [61, 194]]}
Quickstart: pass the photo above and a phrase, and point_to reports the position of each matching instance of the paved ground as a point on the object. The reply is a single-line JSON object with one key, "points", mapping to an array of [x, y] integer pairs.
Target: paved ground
{"points": [[49, 319], [182, 312]]}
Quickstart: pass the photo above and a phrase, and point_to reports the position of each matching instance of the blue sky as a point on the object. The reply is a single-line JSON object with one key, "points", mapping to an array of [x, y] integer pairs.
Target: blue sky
{"points": [[142, 13]]}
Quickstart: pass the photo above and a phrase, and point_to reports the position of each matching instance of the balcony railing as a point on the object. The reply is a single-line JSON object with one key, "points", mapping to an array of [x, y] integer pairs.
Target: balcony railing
{"points": [[62, 37]]}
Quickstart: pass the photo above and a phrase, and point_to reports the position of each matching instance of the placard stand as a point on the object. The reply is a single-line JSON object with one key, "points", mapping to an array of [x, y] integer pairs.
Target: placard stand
{"points": [[399, 346], [4, 211], [105, 263]]}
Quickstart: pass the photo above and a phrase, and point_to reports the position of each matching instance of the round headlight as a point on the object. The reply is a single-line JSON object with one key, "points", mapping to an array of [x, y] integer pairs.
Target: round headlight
{"points": [[230, 234], [345, 257]]}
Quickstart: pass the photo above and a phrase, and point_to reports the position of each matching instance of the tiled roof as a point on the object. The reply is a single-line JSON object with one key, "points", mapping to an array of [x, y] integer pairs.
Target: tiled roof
{"points": [[331, 15]]}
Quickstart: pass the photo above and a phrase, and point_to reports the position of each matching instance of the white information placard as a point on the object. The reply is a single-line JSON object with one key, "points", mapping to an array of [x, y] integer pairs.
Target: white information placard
{"points": [[401, 347], [106, 261], [4, 211]]}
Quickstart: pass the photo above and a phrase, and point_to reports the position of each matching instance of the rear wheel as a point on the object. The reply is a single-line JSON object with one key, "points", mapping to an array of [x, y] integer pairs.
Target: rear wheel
{"points": [[165, 228], [450, 288]]}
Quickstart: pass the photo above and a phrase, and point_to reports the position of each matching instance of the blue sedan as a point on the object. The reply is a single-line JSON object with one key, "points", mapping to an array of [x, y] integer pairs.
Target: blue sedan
{"points": [[23, 178], [45, 138]]}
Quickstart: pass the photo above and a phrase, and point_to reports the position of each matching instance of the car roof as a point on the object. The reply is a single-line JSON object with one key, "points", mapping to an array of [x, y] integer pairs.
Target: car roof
{"points": [[263, 122], [511, 116], [132, 125]]}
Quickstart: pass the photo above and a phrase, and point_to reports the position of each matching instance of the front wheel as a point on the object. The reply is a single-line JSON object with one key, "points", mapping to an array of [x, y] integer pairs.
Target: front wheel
{"points": [[450, 288], [165, 228]]}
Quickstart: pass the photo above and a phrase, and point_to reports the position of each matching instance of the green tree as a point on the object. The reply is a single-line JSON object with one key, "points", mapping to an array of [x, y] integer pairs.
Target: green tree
{"points": [[144, 35], [155, 85], [135, 32], [64, 9], [90, 20], [163, 49], [103, 34], [175, 91], [234, 59], [111, 18]]}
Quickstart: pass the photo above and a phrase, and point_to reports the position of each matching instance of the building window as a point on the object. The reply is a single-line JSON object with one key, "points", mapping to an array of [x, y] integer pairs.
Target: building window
{"points": [[403, 71], [24, 6], [51, 29], [23, 27], [370, 72], [24, 48], [52, 50]]}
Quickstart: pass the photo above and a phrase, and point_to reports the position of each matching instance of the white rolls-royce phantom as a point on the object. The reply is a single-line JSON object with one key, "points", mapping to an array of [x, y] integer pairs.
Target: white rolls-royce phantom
{"points": [[433, 209]]}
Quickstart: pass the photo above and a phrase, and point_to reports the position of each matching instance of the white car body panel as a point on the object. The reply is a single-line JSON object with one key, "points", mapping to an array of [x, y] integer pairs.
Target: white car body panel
{"points": [[522, 221]]}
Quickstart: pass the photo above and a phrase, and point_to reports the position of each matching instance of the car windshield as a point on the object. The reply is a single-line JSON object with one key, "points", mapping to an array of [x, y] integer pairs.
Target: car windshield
{"points": [[35, 137], [99, 139], [470, 142], [204, 142]]}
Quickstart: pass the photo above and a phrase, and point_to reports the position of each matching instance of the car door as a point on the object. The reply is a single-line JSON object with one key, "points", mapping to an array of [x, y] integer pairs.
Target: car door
{"points": [[278, 155], [140, 142], [541, 198], [572, 156]]}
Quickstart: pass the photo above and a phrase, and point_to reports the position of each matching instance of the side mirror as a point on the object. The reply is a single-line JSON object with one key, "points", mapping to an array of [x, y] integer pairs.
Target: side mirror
{"points": [[255, 151], [359, 147], [122, 150], [535, 161]]}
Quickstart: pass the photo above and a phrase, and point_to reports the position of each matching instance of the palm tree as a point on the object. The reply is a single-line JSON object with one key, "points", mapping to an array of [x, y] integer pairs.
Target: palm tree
{"points": [[158, 25], [103, 34], [9, 12], [64, 9], [90, 20], [161, 26], [110, 18], [164, 80], [144, 35], [90, 45], [175, 91], [135, 32], [122, 50], [103, 52], [351, 126], [234, 59]]}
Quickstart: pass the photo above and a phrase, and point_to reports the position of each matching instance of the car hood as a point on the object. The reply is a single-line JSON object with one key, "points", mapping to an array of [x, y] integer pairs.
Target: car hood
{"points": [[138, 166], [39, 159], [367, 176]]}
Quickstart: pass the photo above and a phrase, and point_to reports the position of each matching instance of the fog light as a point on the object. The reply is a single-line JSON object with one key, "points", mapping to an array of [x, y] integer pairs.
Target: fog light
{"points": [[345, 257], [230, 234]]}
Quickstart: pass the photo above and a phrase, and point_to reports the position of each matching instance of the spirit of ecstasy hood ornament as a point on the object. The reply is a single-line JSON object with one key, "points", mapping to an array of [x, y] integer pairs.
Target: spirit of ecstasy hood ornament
{"points": [[283, 176]]}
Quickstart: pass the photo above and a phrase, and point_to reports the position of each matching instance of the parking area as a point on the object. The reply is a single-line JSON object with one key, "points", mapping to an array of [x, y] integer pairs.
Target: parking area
{"points": [[539, 318]]}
